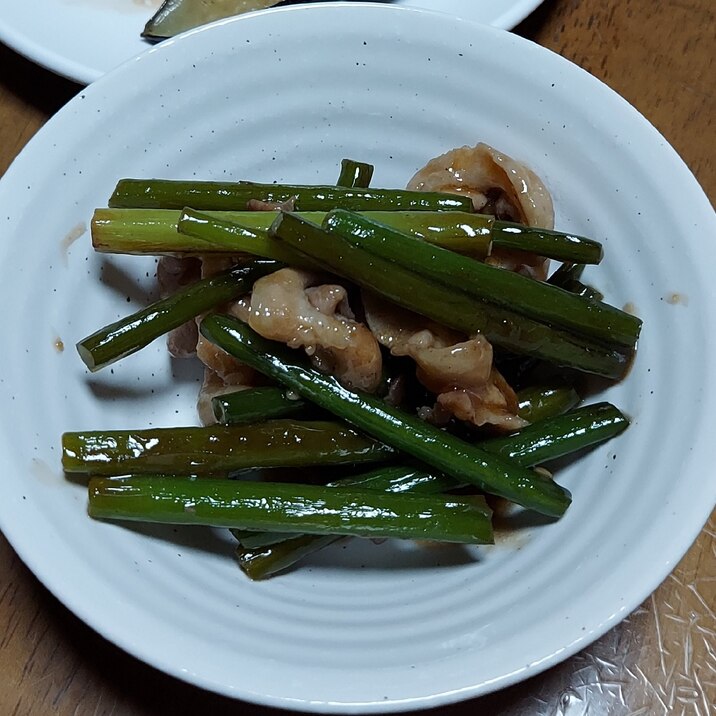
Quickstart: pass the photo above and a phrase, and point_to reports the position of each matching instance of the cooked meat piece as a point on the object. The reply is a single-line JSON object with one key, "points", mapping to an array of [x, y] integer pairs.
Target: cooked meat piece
{"points": [[258, 205], [181, 342], [241, 308], [212, 387], [288, 306], [395, 326], [493, 403], [330, 299], [212, 265], [499, 186], [522, 262], [172, 274], [459, 371], [227, 368], [222, 374]]}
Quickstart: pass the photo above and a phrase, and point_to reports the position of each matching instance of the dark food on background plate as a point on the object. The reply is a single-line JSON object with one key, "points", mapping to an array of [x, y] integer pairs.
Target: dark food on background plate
{"points": [[415, 331], [176, 16]]}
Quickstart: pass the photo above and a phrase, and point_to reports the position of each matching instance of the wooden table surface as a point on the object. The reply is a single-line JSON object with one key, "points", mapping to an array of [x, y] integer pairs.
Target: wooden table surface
{"points": [[662, 660]]}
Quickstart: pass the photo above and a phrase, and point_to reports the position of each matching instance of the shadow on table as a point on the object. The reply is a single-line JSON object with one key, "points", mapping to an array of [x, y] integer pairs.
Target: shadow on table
{"points": [[33, 84], [533, 23]]}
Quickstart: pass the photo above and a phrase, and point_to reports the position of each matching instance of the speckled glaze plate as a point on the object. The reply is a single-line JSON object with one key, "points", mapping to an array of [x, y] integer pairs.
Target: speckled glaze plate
{"points": [[84, 39], [370, 627]]}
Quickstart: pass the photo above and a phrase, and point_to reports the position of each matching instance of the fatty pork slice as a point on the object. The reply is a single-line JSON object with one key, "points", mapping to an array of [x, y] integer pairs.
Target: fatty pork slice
{"points": [[222, 373], [498, 185], [174, 273], [457, 369], [292, 306]]}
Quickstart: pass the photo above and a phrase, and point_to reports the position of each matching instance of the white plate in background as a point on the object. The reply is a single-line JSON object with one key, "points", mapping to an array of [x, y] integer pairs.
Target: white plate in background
{"points": [[83, 39], [367, 628]]}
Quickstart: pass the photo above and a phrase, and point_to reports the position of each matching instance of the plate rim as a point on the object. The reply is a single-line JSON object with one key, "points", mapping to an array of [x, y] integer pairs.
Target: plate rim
{"points": [[47, 59], [435, 699], [85, 74]]}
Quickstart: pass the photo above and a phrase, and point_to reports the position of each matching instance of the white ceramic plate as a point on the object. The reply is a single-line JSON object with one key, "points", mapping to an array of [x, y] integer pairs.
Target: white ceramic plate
{"points": [[370, 627], [84, 39]]}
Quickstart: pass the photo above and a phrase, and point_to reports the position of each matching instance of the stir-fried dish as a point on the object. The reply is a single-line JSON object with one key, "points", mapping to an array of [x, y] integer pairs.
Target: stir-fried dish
{"points": [[408, 356]]}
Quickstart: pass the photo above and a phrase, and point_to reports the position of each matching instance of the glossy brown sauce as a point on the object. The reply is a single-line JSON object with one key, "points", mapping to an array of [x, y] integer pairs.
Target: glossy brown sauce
{"points": [[677, 299], [71, 236]]}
